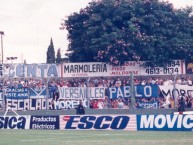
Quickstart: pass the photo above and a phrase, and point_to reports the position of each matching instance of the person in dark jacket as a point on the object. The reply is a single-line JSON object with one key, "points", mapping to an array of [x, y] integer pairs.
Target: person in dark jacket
{"points": [[181, 106], [80, 109]]}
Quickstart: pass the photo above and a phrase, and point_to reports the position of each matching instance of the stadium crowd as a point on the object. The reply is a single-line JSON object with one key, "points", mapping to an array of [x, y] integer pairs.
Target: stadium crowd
{"points": [[53, 83], [95, 82]]}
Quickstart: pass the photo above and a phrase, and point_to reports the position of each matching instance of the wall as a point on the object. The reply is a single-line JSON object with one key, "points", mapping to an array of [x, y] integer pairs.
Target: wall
{"points": [[161, 122]]}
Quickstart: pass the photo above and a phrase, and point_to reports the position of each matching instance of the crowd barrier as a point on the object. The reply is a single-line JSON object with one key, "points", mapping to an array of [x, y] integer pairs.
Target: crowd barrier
{"points": [[169, 122]]}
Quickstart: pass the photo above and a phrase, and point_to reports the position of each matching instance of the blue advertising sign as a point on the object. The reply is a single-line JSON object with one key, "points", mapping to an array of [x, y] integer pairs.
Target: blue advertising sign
{"points": [[17, 93], [98, 122], [143, 91], [44, 122], [165, 122]]}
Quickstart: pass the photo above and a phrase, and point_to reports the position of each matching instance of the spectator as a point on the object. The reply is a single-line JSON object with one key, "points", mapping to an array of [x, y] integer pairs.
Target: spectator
{"points": [[95, 104], [181, 106], [120, 104], [171, 100], [100, 104], [111, 83], [80, 109], [189, 81], [189, 102], [166, 103], [105, 103]]}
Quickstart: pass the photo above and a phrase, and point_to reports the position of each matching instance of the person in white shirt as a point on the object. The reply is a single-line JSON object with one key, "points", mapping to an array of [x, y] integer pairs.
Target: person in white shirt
{"points": [[166, 103], [100, 104]]}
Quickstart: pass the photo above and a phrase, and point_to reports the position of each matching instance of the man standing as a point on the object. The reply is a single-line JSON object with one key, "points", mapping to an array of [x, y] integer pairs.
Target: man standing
{"points": [[80, 109], [181, 106]]}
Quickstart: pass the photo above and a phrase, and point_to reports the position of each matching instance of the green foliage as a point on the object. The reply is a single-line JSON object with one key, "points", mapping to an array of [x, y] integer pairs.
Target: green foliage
{"points": [[51, 53], [114, 31], [58, 56]]}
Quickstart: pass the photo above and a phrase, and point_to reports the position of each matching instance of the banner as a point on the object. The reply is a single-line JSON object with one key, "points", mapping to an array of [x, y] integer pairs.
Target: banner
{"points": [[165, 122], [27, 98], [17, 93], [90, 69], [14, 122], [98, 122], [84, 69], [24, 93], [37, 92], [147, 105], [143, 91], [69, 104], [102, 69], [31, 70], [29, 104], [40, 104], [81, 93], [44, 122], [180, 90]]}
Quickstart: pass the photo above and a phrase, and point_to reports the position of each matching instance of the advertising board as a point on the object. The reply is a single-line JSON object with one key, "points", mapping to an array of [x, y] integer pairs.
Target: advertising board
{"points": [[44, 122], [167, 122], [98, 122], [14, 122]]}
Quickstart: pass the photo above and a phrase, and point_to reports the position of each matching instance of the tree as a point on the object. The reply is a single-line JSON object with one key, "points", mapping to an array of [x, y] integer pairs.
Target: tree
{"points": [[51, 53], [58, 56], [114, 31]]}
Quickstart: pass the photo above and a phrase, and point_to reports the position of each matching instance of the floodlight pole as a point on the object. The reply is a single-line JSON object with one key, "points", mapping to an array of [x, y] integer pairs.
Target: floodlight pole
{"points": [[132, 92], [3, 93], [175, 93], [2, 34]]}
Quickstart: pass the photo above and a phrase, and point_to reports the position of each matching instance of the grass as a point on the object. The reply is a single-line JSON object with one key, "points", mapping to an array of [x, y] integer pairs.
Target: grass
{"points": [[59, 137]]}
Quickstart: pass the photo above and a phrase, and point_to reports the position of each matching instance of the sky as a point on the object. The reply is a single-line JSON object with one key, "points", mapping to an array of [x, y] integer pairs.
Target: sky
{"points": [[30, 24]]}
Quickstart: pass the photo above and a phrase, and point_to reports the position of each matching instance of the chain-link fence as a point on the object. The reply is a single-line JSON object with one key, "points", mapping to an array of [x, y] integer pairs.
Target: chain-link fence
{"points": [[95, 93]]}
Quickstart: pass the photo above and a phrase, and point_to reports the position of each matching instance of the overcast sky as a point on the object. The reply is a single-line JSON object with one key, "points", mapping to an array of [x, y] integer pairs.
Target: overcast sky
{"points": [[29, 25]]}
